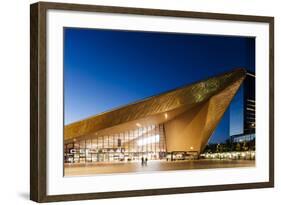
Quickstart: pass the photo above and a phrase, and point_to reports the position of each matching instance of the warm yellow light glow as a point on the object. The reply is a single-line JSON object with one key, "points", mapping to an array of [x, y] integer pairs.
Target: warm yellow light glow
{"points": [[138, 124], [149, 140], [191, 148], [166, 115]]}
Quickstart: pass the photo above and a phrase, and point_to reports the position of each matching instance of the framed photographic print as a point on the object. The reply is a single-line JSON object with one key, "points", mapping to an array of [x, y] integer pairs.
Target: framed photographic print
{"points": [[134, 102]]}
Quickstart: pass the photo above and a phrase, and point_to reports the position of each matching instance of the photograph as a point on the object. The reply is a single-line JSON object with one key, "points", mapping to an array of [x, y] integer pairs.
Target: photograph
{"points": [[151, 101]]}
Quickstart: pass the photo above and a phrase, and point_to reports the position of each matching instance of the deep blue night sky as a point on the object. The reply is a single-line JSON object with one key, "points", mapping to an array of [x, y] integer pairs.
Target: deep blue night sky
{"points": [[104, 69]]}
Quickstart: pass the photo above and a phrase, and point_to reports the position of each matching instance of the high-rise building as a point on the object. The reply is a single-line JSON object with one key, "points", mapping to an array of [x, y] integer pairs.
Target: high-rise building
{"points": [[249, 104], [243, 111]]}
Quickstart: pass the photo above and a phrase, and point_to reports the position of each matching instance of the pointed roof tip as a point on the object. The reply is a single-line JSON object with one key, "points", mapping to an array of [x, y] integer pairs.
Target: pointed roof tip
{"points": [[242, 70], [239, 71]]}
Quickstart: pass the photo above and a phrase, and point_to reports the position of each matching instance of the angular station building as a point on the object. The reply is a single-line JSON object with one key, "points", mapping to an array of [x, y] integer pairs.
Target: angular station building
{"points": [[174, 124]]}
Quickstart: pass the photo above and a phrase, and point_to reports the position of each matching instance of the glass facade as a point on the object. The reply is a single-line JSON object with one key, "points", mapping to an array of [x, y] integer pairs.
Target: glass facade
{"points": [[148, 142], [243, 138]]}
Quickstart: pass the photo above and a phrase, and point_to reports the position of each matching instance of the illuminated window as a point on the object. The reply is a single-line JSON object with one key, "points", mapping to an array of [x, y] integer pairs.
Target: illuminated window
{"points": [[149, 140]]}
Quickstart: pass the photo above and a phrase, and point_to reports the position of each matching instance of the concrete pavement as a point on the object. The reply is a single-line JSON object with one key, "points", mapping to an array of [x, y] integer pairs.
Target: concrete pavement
{"points": [[127, 167]]}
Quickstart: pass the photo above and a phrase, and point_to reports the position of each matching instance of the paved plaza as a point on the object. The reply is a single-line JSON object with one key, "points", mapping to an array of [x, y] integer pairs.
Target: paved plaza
{"points": [[127, 167]]}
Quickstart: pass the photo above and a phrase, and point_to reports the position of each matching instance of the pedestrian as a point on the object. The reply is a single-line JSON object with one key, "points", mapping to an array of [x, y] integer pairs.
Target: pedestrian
{"points": [[142, 161], [146, 161]]}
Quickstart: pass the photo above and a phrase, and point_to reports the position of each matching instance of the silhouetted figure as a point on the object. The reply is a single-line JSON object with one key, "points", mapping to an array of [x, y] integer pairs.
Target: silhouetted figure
{"points": [[142, 161], [146, 161]]}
